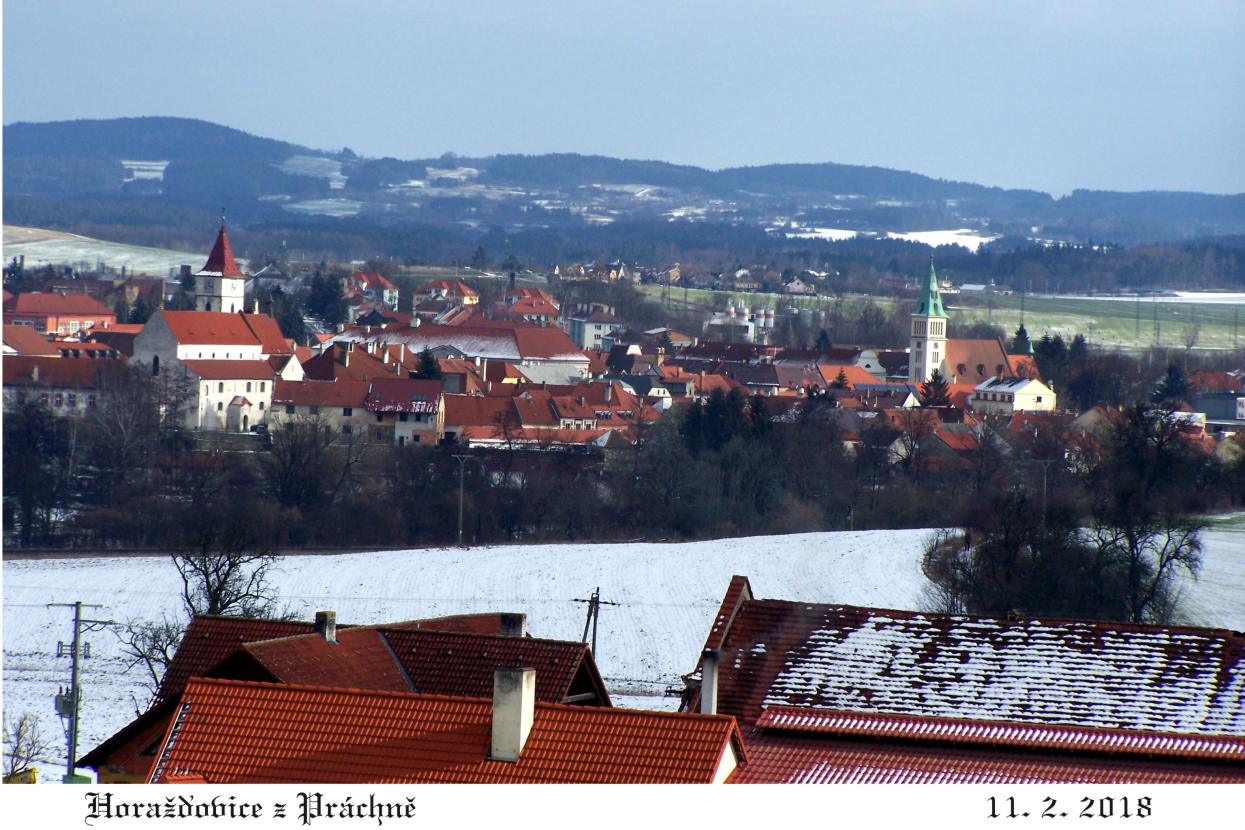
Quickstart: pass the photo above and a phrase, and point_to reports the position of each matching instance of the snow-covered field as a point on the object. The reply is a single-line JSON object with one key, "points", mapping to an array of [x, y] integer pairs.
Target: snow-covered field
{"points": [[667, 595], [964, 236], [43, 247]]}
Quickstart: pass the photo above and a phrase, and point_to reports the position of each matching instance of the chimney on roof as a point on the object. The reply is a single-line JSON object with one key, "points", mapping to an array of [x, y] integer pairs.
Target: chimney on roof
{"points": [[709, 681], [326, 625], [255, 306], [609, 392], [513, 625], [514, 709], [34, 374]]}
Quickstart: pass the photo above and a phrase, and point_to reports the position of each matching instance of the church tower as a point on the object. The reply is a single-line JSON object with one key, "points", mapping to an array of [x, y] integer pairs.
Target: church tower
{"points": [[929, 331], [220, 285]]}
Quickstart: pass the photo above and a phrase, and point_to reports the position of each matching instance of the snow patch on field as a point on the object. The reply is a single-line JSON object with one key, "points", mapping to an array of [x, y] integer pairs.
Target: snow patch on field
{"points": [[965, 237]]}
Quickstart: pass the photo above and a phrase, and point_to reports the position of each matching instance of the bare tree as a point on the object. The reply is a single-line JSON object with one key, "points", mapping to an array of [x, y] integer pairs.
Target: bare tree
{"points": [[23, 744], [223, 571], [152, 646]]}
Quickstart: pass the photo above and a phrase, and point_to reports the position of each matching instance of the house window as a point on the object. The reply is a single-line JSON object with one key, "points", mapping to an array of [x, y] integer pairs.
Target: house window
{"points": [[220, 387], [380, 417], [90, 401], [58, 399], [313, 410], [347, 411], [248, 386], [289, 409], [263, 386], [71, 400], [347, 429], [1039, 399], [402, 416], [220, 406], [43, 399], [261, 406]]}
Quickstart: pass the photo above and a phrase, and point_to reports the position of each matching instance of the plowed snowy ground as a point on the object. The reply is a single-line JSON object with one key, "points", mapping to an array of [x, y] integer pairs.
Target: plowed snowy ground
{"points": [[667, 595]]}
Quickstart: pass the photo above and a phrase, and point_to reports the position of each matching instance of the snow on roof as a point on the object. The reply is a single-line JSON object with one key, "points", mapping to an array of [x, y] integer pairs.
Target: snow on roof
{"points": [[498, 342], [1098, 674]]}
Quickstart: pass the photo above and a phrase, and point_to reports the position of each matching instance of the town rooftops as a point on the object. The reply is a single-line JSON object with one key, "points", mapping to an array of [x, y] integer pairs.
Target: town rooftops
{"points": [[37, 303], [448, 288], [1087, 673], [233, 732], [212, 328], [56, 372], [221, 262], [393, 394], [25, 340], [497, 341], [328, 393]]}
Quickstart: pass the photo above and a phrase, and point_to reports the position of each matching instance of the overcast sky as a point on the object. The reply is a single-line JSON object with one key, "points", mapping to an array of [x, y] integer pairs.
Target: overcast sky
{"points": [[1046, 95]]}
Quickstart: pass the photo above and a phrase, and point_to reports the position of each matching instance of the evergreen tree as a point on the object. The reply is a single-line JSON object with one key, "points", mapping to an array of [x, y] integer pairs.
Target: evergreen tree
{"points": [[1173, 387], [1021, 343], [823, 342], [934, 392], [1078, 351], [479, 260], [840, 380], [428, 369]]}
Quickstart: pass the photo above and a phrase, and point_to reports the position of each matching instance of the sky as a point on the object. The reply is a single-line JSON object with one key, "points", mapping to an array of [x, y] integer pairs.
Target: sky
{"points": [[1052, 96]]}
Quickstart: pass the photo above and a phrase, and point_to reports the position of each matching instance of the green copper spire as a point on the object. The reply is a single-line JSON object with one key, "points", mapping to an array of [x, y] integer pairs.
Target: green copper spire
{"points": [[931, 300]]}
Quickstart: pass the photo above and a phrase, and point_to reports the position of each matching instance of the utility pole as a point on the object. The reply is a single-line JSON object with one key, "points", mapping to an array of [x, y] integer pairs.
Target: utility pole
{"points": [[1045, 462], [462, 467], [594, 613], [68, 702]]}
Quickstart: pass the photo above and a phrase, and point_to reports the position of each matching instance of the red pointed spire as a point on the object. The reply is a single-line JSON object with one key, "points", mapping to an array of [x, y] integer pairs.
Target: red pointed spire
{"points": [[221, 262]]}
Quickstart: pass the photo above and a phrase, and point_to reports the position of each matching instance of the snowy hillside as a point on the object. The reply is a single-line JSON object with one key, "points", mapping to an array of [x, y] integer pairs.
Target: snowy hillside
{"points": [[668, 594]]}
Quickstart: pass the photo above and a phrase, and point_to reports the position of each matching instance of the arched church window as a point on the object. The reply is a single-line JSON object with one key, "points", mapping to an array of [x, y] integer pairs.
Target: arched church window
{"points": [[155, 365]]}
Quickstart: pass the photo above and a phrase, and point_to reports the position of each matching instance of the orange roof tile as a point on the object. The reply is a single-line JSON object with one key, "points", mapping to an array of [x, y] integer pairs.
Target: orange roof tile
{"points": [[26, 341], [209, 328], [235, 732], [360, 659], [37, 303], [230, 369], [449, 663]]}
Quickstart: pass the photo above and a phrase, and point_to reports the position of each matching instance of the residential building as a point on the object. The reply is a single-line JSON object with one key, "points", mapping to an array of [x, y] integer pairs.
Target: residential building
{"points": [[1007, 395], [589, 324], [61, 314], [834, 693]]}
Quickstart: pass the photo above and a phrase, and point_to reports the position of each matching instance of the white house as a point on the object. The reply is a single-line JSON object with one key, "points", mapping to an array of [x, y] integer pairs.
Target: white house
{"points": [[1007, 395]]}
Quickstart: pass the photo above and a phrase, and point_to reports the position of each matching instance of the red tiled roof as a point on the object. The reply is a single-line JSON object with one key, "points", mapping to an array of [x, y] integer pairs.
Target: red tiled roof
{"points": [[208, 640], [1096, 674], [319, 393], [235, 732], [394, 394], [37, 303], [854, 374], [1002, 733], [360, 659], [452, 288], [475, 410], [373, 282], [268, 333], [209, 328], [230, 369], [56, 372], [220, 262], [446, 663], [775, 758], [972, 361], [26, 341], [359, 365]]}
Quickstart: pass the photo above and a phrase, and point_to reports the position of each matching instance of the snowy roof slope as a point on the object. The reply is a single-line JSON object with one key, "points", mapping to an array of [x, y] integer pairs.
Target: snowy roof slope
{"points": [[1072, 672]]}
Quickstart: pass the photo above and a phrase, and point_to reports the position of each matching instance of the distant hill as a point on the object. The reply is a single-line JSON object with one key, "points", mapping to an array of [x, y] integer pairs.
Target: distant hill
{"points": [[76, 164]]}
